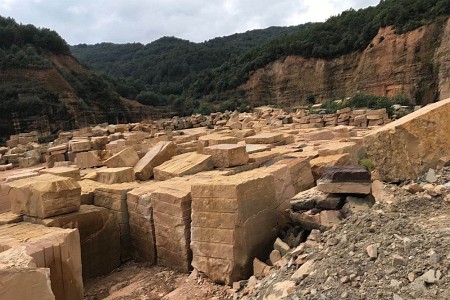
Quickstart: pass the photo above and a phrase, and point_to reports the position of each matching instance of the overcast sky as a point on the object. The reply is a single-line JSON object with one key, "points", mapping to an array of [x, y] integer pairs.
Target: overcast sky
{"points": [[123, 21]]}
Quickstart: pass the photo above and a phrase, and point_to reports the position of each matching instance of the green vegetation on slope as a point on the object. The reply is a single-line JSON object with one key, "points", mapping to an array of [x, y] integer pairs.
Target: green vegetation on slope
{"points": [[170, 66]]}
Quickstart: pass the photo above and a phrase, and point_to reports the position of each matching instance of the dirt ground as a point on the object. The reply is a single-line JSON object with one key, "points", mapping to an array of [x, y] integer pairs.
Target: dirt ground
{"points": [[140, 281]]}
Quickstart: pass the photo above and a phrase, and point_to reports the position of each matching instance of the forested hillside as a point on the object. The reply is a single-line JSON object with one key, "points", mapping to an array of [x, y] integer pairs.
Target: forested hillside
{"points": [[162, 71], [39, 77]]}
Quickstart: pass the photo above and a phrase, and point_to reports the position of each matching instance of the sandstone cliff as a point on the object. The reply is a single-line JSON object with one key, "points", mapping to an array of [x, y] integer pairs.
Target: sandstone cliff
{"points": [[416, 64]]}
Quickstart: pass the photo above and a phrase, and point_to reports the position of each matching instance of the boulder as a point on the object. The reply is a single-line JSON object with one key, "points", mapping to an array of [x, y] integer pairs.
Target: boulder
{"points": [[408, 147], [160, 153], [319, 163], [345, 180], [44, 196]]}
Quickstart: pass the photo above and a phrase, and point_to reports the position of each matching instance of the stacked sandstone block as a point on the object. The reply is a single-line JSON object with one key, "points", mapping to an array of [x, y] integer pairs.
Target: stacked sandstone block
{"points": [[233, 221]]}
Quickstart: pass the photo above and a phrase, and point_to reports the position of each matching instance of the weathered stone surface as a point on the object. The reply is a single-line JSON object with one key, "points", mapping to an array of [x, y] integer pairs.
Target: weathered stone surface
{"points": [[114, 198], [88, 159], [319, 163], [408, 147], [44, 196], [125, 158], [265, 138], [10, 218], [355, 204], [79, 145], [26, 283], [142, 229], [345, 180], [301, 173], [160, 153], [171, 204], [184, 164], [99, 237], [63, 171], [227, 155], [115, 175], [42, 247], [233, 221]]}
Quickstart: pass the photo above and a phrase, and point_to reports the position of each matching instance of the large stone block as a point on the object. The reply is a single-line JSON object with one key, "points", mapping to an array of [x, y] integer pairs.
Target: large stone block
{"points": [[115, 175], [300, 171], [44, 196], [88, 159], [408, 147], [171, 204], [227, 155], [184, 164], [79, 145], [63, 171], [125, 158], [114, 198], [142, 229], [233, 221], [319, 163], [36, 246], [160, 153], [345, 180], [36, 280], [265, 138], [99, 237]]}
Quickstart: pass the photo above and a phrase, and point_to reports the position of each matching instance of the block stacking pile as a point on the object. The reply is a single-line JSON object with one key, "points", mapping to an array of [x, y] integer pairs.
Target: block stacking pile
{"points": [[233, 221], [171, 204]]}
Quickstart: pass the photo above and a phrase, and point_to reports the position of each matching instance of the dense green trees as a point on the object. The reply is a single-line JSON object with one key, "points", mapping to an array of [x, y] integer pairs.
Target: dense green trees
{"points": [[171, 66]]}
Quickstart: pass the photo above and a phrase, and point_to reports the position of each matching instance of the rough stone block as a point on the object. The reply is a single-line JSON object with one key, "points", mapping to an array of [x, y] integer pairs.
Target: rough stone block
{"points": [[227, 155], [345, 180], [44, 196], [88, 159], [125, 158], [79, 145], [184, 164], [160, 153], [31, 245], [408, 147], [63, 172], [115, 175], [265, 138]]}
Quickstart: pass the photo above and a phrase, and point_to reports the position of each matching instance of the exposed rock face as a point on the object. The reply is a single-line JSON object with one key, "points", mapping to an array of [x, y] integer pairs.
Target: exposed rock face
{"points": [[411, 145], [392, 64]]}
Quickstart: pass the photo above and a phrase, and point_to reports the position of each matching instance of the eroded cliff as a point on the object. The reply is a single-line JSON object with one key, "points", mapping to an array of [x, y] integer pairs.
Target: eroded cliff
{"points": [[416, 64]]}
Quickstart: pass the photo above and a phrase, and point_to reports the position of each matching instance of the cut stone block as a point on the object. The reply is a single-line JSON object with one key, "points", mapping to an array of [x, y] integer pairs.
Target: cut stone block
{"points": [[255, 148], [44, 196], [79, 145], [227, 155], [114, 197], [409, 146], [142, 230], [43, 247], [36, 281], [184, 164], [125, 158], [115, 175], [99, 237], [162, 152], [265, 138], [88, 159], [345, 180], [171, 204], [233, 221], [10, 218], [319, 163], [215, 139], [63, 172], [301, 173]]}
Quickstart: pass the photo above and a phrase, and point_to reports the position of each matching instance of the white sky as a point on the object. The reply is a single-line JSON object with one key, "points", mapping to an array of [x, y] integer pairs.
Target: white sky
{"points": [[123, 21]]}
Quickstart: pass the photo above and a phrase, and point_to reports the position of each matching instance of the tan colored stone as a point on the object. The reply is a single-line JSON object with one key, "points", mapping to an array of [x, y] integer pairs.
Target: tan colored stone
{"points": [[160, 153], [63, 172], [99, 237], [36, 280], [408, 147], [115, 175], [345, 187], [184, 164], [88, 159], [43, 247], [239, 207], [44, 196], [79, 145], [125, 158], [265, 138], [318, 164], [227, 155]]}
